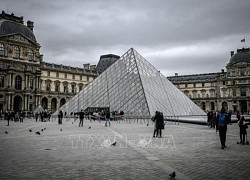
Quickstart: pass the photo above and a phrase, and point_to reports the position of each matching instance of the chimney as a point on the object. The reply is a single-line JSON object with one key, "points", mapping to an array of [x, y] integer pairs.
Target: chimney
{"points": [[41, 58], [86, 66], [232, 53], [30, 25]]}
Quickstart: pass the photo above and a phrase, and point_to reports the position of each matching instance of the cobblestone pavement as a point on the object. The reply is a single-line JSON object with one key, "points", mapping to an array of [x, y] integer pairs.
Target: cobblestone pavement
{"points": [[70, 152]]}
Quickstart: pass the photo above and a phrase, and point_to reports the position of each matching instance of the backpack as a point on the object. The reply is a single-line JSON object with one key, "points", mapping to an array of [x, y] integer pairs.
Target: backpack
{"points": [[222, 119]]}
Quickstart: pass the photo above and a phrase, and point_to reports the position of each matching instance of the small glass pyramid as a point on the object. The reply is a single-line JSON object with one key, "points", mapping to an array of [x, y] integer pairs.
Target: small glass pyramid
{"points": [[134, 86]]}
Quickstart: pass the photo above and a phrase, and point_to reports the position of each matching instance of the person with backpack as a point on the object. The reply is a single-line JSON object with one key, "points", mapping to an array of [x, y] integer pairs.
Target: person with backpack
{"points": [[222, 121]]}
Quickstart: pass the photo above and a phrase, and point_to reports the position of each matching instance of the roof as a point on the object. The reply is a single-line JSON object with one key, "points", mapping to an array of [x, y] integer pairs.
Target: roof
{"points": [[195, 77], [241, 55], [8, 27]]}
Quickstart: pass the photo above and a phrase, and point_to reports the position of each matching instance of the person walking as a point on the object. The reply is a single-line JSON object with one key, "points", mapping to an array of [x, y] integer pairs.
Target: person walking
{"points": [[36, 115], [222, 121], [81, 116], [154, 121], [243, 130], [107, 118], [60, 116]]}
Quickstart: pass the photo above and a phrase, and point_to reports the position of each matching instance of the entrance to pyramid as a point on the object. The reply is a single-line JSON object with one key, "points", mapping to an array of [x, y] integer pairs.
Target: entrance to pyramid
{"points": [[137, 88], [92, 110]]}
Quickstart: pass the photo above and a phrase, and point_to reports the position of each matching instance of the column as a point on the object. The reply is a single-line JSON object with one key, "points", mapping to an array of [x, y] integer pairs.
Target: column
{"points": [[11, 102], [27, 107], [8, 102], [24, 102]]}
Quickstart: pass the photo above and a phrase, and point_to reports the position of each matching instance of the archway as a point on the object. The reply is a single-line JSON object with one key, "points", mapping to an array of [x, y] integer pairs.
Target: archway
{"points": [[243, 107], [53, 105], [212, 106], [203, 106], [17, 103], [62, 102], [45, 103], [224, 105]]}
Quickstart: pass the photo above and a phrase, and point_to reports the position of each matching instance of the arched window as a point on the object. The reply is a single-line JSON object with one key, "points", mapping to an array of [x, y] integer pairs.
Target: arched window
{"points": [[31, 83], [203, 106], [203, 93], [48, 85], [31, 55], [1, 81], [18, 83], [243, 91], [17, 52], [2, 49], [57, 86]]}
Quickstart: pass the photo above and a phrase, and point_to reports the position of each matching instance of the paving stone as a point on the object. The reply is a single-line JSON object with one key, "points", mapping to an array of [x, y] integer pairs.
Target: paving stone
{"points": [[192, 151]]}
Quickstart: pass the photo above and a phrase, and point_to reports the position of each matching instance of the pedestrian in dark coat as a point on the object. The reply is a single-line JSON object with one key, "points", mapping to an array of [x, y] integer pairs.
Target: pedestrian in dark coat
{"points": [[222, 121], [81, 116], [243, 129], [159, 123], [60, 116]]}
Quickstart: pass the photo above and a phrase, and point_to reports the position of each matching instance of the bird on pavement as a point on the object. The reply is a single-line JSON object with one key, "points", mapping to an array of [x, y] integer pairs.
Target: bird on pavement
{"points": [[30, 130], [113, 144], [38, 133], [44, 128], [61, 129], [41, 129], [89, 127], [172, 175], [6, 132], [147, 124]]}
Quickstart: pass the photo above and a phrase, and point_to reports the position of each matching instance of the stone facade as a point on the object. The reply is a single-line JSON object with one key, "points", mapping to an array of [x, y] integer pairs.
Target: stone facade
{"points": [[230, 89], [25, 79]]}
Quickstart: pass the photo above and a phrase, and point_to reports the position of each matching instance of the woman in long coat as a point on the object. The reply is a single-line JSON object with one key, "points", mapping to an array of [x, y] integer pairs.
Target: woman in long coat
{"points": [[159, 123]]}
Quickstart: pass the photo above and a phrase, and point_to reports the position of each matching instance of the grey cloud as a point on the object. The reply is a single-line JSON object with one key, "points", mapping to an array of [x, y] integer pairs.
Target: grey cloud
{"points": [[82, 30]]}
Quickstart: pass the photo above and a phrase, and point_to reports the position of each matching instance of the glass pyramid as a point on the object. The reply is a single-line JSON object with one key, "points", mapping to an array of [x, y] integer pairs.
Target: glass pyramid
{"points": [[134, 86]]}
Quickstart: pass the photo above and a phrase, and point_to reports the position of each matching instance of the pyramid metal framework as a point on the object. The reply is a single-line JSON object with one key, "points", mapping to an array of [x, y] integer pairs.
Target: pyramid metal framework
{"points": [[134, 86]]}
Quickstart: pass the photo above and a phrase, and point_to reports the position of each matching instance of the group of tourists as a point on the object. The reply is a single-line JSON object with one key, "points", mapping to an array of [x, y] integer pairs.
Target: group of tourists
{"points": [[212, 119], [220, 121], [42, 116], [103, 115], [13, 116]]}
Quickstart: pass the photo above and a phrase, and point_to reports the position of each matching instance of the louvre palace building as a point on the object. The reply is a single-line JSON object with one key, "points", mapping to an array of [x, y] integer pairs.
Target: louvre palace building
{"points": [[27, 81], [229, 89]]}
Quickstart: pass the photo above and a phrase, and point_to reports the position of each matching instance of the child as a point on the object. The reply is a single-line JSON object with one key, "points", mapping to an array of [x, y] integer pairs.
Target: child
{"points": [[243, 129]]}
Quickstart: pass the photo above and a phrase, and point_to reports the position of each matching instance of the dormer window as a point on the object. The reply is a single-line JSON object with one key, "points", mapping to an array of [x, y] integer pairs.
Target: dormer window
{"points": [[31, 55], [17, 52], [2, 49], [18, 83]]}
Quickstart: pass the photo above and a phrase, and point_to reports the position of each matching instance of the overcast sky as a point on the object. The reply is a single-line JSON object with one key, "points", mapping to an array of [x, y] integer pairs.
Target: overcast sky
{"points": [[175, 36]]}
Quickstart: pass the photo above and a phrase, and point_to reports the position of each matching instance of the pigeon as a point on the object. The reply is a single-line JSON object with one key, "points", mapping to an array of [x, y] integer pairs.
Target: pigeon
{"points": [[6, 132], [61, 129], [147, 124], [72, 123], [89, 127], [44, 128], [41, 129], [38, 133], [172, 175], [30, 130], [113, 144]]}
